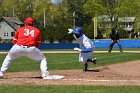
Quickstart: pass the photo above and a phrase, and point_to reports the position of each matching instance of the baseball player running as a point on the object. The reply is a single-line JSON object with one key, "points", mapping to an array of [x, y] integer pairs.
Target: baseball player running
{"points": [[26, 42], [86, 47]]}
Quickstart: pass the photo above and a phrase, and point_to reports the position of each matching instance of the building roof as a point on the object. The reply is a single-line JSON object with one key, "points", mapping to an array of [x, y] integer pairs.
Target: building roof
{"points": [[106, 18], [13, 22], [126, 19]]}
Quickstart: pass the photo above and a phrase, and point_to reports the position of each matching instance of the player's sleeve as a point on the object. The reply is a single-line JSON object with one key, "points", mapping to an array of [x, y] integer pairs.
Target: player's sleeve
{"points": [[38, 40], [14, 41]]}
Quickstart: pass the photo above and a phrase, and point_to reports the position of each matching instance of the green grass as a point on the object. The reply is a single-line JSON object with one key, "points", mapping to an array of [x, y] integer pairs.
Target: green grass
{"points": [[117, 49], [67, 89], [69, 61], [96, 49]]}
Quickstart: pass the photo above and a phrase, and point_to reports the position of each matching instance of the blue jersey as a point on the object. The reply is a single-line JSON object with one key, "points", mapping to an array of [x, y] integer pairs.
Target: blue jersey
{"points": [[86, 45]]}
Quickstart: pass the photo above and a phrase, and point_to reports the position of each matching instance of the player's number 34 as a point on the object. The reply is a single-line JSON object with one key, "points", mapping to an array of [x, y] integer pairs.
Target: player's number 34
{"points": [[29, 32]]}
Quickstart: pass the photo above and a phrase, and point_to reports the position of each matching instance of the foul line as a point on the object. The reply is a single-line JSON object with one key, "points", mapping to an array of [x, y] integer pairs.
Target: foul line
{"points": [[103, 80]]}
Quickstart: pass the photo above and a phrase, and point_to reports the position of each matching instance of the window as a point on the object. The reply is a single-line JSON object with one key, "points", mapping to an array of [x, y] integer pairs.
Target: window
{"points": [[12, 34], [5, 34]]}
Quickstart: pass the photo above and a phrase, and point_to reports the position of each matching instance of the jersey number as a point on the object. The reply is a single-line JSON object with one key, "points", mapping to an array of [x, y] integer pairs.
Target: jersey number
{"points": [[28, 32]]}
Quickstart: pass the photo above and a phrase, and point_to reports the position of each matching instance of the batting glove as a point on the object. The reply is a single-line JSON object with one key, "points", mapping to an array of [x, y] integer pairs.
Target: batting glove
{"points": [[77, 49], [70, 31]]}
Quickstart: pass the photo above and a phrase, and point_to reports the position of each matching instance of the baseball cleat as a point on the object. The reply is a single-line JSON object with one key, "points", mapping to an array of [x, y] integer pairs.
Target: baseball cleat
{"points": [[94, 61], [54, 77], [45, 74], [1, 75], [85, 67]]}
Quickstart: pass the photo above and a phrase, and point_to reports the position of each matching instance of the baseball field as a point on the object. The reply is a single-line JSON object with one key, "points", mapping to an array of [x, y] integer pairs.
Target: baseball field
{"points": [[114, 73]]}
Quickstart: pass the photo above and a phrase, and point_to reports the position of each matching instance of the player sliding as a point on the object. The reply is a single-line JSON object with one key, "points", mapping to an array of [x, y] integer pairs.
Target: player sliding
{"points": [[86, 47]]}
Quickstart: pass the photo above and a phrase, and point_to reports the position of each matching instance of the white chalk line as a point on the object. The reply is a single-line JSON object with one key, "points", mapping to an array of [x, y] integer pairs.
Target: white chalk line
{"points": [[103, 80]]}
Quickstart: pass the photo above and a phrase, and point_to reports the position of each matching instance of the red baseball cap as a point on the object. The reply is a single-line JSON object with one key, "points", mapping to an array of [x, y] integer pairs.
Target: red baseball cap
{"points": [[29, 21]]}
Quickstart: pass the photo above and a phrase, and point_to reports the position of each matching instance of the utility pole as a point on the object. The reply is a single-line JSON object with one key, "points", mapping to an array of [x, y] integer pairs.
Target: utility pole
{"points": [[74, 19], [95, 27], [13, 12], [44, 12]]}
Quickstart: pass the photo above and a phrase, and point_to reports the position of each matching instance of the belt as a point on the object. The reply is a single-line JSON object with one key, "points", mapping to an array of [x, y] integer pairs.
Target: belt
{"points": [[26, 46]]}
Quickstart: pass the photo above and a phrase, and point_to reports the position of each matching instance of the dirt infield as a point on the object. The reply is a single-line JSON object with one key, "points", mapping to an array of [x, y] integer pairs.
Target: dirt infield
{"points": [[118, 74]]}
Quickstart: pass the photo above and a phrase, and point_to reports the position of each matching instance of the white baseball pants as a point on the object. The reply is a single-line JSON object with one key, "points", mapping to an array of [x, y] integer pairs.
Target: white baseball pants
{"points": [[84, 56], [31, 52]]}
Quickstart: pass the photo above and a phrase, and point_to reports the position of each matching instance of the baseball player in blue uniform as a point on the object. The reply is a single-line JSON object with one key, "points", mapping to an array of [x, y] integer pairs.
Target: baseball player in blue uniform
{"points": [[86, 47]]}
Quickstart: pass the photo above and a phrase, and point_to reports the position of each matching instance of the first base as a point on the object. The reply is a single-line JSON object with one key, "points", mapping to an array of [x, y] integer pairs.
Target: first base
{"points": [[54, 77]]}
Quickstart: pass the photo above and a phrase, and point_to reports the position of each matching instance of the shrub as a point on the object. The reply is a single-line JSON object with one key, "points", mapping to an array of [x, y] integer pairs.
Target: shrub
{"points": [[61, 34], [47, 33], [99, 33], [122, 33]]}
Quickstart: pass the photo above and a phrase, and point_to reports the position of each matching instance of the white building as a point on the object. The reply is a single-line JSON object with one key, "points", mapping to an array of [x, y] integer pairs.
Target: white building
{"points": [[8, 26], [126, 22]]}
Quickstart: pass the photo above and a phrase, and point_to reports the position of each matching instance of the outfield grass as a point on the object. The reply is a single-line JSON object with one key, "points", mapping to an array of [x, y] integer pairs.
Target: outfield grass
{"points": [[67, 89], [68, 61]]}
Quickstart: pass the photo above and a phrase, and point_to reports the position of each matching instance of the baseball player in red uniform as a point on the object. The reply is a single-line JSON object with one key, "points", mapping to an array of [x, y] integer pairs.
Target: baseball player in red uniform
{"points": [[26, 42]]}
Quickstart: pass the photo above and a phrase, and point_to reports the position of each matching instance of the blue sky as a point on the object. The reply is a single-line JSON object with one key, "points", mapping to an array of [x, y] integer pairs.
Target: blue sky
{"points": [[56, 1]]}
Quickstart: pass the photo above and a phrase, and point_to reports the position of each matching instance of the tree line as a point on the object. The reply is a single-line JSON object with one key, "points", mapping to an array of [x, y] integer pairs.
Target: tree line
{"points": [[69, 13]]}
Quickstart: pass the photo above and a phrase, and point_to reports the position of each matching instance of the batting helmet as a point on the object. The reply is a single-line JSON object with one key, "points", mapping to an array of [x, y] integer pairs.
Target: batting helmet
{"points": [[78, 31], [29, 21]]}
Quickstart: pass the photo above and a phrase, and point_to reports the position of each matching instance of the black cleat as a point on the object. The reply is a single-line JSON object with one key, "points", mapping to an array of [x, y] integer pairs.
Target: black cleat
{"points": [[94, 61]]}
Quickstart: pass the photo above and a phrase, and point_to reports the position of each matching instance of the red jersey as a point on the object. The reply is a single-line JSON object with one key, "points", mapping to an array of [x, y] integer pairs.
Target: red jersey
{"points": [[27, 36]]}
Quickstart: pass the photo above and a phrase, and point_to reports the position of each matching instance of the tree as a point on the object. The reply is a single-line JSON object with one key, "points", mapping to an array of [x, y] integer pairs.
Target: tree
{"points": [[122, 33], [7, 7], [113, 9], [76, 12], [103, 7], [1, 9], [129, 8], [17, 8]]}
